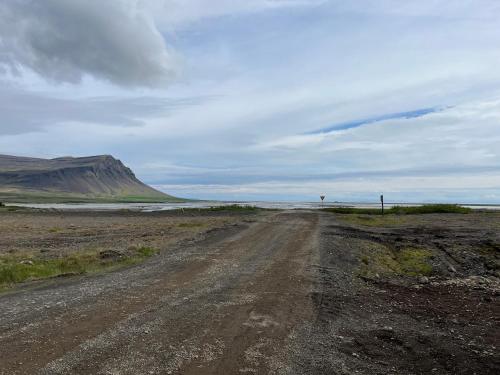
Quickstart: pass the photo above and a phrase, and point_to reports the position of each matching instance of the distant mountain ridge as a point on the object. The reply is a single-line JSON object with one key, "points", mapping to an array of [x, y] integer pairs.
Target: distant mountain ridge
{"points": [[92, 178]]}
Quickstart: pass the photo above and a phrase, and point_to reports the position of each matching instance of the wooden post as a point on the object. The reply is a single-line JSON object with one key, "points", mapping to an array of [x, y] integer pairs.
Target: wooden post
{"points": [[382, 201]]}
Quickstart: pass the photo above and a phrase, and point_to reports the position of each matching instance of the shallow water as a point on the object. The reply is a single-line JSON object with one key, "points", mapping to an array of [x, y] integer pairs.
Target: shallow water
{"points": [[150, 207]]}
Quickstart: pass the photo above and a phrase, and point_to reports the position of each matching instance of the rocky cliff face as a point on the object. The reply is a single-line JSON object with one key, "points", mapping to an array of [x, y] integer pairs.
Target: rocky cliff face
{"points": [[95, 176]]}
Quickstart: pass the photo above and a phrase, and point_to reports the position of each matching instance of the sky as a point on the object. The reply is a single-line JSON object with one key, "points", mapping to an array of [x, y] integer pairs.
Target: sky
{"points": [[262, 99]]}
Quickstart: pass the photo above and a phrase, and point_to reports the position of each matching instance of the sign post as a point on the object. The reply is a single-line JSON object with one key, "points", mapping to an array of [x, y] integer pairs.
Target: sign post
{"points": [[322, 199], [382, 201]]}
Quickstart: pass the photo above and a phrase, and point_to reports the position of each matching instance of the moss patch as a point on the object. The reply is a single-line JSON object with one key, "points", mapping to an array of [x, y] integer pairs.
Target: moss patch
{"points": [[16, 269], [414, 261], [381, 260]]}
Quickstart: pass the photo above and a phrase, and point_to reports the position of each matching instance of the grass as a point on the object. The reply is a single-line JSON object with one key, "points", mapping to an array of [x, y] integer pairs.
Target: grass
{"points": [[414, 261], [399, 210], [14, 197], [234, 207], [4, 208], [410, 261], [20, 268], [228, 208]]}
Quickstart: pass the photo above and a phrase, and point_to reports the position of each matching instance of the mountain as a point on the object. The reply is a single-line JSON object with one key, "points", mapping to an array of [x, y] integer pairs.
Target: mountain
{"points": [[95, 178]]}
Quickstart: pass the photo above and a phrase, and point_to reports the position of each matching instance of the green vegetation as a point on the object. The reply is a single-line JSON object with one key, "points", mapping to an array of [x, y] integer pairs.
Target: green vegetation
{"points": [[78, 198], [229, 208], [431, 209], [234, 207], [19, 268], [380, 260], [13, 208], [414, 261], [399, 210]]}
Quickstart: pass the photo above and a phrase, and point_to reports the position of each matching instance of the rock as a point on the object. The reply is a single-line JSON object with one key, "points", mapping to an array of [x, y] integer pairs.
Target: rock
{"points": [[29, 262], [423, 280]]}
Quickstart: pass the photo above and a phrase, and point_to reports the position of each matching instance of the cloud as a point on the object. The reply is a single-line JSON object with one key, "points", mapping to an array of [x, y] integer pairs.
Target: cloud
{"points": [[25, 112], [473, 188], [177, 13], [479, 9], [64, 41]]}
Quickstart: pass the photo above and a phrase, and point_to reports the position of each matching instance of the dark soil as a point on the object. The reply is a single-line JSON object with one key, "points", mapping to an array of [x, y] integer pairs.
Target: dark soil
{"points": [[396, 324]]}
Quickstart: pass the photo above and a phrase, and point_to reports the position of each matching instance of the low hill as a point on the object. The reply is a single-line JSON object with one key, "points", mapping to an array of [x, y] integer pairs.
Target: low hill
{"points": [[86, 179]]}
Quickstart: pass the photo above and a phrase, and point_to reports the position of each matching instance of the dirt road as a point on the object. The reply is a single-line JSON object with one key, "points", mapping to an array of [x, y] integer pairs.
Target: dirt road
{"points": [[279, 293], [225, 305]]}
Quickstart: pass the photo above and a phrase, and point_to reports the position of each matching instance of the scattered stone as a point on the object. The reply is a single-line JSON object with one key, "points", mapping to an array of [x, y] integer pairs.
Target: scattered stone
{"points": [[28, 262], [110, 254]]}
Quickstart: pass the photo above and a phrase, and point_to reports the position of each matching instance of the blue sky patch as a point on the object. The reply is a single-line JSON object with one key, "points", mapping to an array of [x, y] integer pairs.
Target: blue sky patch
{"points": [[391, 116]]}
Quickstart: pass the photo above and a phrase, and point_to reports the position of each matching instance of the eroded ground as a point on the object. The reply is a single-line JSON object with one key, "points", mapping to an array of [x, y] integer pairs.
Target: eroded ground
{"points": [[294, 292]]}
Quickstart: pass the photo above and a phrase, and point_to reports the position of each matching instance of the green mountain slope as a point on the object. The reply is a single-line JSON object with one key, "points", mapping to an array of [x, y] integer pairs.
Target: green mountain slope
{"points": [[86, 179]]}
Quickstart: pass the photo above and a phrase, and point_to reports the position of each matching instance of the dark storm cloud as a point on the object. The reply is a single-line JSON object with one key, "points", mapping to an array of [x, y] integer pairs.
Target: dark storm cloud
{"points": [[64, 40]]}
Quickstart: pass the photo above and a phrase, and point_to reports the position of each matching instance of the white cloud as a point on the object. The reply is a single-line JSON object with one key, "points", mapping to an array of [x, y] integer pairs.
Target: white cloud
{"points": [[465, 135], [175, 13], [457, 187]]}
